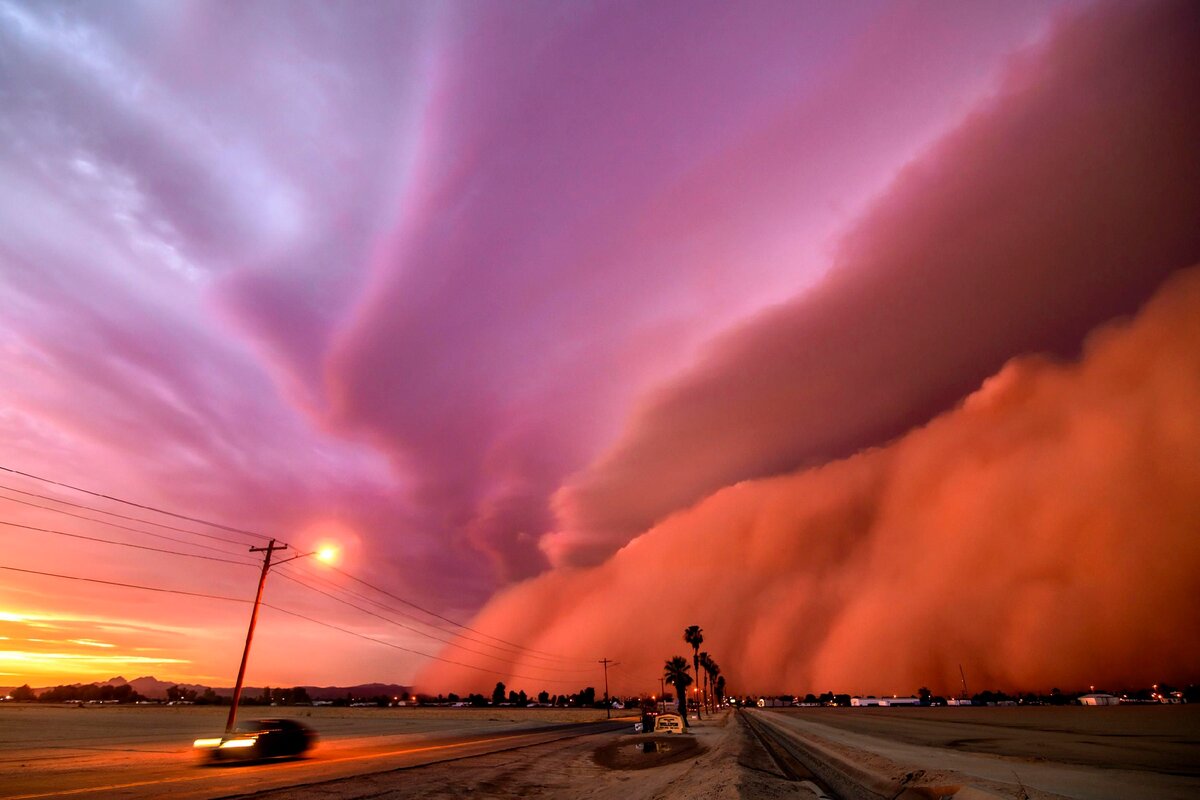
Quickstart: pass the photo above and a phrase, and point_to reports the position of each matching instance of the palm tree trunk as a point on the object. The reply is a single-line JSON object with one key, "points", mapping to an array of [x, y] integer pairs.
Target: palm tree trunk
{"points": [[696, 666]]}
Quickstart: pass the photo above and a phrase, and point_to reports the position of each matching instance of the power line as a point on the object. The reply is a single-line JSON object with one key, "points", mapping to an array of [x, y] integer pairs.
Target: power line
{"points": [[126, 585], [452, 622], [162, 525], [142, 506], [409, 603], [113, 524], [417, 631], [416, 652], [313, 620], [310, 574], [122, 544]]}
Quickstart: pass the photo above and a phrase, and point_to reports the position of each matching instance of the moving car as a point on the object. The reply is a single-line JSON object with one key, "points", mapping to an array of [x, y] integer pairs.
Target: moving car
{"points": [[256, 740]]}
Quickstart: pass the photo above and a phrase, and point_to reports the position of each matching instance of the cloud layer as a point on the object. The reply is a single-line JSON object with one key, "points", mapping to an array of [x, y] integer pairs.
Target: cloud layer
{"points": [[1059, 203], [1042, 533], [479, 287]]}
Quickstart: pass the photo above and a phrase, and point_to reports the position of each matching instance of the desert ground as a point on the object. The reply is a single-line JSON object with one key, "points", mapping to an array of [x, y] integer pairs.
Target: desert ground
{"points": [[146, 751], [1025, 753], [1106, 753]]}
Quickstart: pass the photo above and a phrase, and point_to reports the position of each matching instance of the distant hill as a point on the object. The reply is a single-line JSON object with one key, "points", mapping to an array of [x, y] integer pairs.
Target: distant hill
{"points": [[154, 689], [361, 690]]}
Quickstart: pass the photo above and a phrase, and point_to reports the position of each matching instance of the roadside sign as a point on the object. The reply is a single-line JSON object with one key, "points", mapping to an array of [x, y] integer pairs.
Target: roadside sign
{"points": [[668, 723]]}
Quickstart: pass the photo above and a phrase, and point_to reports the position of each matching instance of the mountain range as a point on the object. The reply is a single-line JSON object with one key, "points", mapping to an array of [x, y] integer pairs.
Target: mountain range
{"points": [[154, 689]]}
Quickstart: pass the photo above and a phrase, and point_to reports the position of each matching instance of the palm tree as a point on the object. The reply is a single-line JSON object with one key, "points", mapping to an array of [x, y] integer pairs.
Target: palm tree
{"points": [[711, 670], [705, 660], [714, 670], [675, 672], [695, 637], [720, 684]]}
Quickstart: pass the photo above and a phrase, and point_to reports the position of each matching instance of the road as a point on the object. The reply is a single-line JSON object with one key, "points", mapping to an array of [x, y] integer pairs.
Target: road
{"points": [[147, 753], [1113, 753]]}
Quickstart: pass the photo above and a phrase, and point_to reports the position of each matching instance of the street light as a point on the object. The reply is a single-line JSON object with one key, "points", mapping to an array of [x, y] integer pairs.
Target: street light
{"points": [[326, 554]]}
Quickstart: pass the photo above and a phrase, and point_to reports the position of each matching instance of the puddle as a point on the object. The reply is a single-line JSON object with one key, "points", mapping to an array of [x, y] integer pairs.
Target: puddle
{"points": [[645, 752]]}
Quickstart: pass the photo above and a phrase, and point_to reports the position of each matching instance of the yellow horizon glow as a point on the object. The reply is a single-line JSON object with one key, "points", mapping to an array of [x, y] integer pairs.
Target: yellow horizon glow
{"points": [[31, 653], [62, 668]]}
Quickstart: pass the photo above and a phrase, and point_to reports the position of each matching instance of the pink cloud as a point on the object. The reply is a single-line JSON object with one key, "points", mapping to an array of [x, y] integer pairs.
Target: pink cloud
{"points": [[1042, 533], [1058, 204]]}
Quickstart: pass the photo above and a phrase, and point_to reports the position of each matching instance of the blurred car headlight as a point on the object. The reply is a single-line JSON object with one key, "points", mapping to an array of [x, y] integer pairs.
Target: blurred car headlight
{"points": [[238, 743]]}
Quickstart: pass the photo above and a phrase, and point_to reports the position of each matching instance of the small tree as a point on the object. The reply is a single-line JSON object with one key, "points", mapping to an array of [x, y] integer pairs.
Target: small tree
{"points": [[23, 694], [713, 670], [498, 693], [694, 636]]}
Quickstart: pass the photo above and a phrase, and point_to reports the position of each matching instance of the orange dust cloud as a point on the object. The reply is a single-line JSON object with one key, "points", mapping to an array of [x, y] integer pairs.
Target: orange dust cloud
{"points": [[1042, 533], [1059, 203]]}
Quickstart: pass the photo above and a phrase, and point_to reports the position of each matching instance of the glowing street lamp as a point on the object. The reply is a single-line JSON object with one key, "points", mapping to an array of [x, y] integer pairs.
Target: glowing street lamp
{"points": [[326, 554]]}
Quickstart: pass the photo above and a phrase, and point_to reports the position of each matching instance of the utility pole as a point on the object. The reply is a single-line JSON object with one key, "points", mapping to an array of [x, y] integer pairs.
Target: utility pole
{"points": [[607, 705], [262, 580], [963, 675]]}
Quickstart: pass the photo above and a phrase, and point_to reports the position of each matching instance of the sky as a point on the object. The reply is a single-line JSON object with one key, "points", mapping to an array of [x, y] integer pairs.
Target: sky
{"points": [[861, 335]]}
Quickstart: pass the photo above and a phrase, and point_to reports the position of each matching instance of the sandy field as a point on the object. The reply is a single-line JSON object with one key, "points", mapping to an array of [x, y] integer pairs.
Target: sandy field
{"points": [[1107, 753], [141, 751], [1121, 753], [144, 752], [25, 726], [1162, 738], [716, 760]]}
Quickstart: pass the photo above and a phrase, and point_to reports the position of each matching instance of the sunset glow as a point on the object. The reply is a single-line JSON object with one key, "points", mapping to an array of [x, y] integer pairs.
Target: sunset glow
{"points": [[863, 334]]}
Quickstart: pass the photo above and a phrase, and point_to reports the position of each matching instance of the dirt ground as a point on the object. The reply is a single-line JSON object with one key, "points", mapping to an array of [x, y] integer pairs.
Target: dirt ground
{"points": [[145, 752], [1029, 753], [1117, 753], [1155, 738], [716, 760]]}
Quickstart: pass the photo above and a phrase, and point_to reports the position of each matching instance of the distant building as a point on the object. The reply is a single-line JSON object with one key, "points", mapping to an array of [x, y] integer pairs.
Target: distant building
{"points": [[864, 701], [1099, 699], [900, 701]]}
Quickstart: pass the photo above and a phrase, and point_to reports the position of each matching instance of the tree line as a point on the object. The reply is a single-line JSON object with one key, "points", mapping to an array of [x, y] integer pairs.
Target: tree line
{"points": [[676, 672]]}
